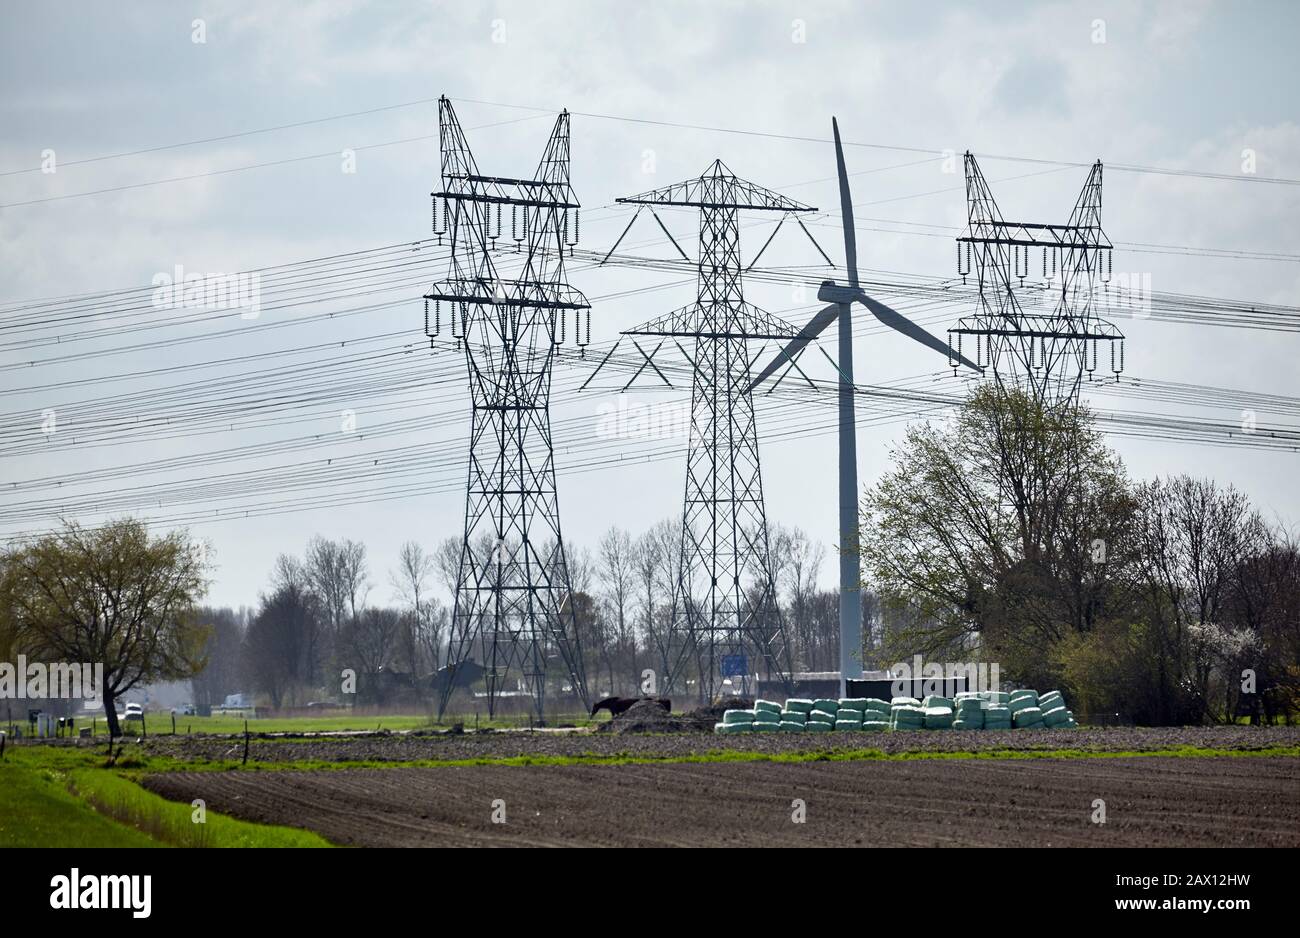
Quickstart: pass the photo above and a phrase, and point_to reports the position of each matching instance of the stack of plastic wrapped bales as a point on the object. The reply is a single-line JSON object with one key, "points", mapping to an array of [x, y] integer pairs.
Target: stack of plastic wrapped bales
{"points": [[997, 712], [849, 713], [767, 716], [735, 721], [938, 712], [1025, 713], [821, 718], [794, 715], [905, 713], [970, 711], [1055, 716], [876, 714], [989, 710]]}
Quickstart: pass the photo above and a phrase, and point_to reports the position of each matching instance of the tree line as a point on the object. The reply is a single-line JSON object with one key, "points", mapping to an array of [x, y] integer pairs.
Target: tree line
{"points": [[1012, 534], [316, 619]]}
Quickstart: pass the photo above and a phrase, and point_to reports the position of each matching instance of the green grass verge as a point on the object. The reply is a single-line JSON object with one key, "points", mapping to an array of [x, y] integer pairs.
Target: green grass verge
{"points": [[38, 811], [70, 798]]}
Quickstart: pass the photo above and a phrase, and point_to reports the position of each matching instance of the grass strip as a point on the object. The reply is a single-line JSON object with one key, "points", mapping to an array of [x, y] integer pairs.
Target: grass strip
{"points": [[62, 798]]}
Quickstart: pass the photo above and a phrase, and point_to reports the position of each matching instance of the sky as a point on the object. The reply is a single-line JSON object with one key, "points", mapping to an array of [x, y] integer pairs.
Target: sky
{"points": [[657, 92]]}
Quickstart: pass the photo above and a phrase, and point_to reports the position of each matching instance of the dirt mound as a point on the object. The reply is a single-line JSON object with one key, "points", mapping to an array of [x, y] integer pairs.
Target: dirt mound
{"points": [[647, 716], [712, 713]]}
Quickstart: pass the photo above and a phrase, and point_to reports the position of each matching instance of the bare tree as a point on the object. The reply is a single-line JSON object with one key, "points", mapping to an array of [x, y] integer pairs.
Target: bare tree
{"points": [[356, 576], [797, 562], [288, 570], [1194, 537], [371, 640], [616, 569], [646, 565], [275, 645], [222, 670], [325, 577], [336, 574], [415, 567], [446, 562]]}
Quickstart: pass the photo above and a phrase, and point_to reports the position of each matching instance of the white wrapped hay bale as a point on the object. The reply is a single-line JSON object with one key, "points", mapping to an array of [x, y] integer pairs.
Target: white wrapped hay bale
{"points": [[738, 716], [970, 714], [822, 716], [876, 705], [1027, 718], [997, 718], [907, 717], [1056, 716], [938, 718]]}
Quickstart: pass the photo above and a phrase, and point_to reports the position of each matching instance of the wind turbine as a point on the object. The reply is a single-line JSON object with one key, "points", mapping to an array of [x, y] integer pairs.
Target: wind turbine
{"points": [[841, 300]]}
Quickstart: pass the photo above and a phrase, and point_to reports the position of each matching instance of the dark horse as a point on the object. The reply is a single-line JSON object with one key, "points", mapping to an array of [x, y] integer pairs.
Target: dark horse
{"points": [[618, 705]]}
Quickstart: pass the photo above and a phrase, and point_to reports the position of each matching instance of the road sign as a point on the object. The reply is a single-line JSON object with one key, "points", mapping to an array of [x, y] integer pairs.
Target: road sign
{"points": [[734, 666]]}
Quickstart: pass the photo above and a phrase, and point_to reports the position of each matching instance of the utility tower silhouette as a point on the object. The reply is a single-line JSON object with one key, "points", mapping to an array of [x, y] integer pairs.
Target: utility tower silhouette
{"points": [[727, 621], [1046, 352], [513, 594]]}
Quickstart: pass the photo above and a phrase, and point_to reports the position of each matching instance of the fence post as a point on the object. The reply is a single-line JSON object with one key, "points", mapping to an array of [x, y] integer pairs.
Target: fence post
{"points": [[245, 742]]}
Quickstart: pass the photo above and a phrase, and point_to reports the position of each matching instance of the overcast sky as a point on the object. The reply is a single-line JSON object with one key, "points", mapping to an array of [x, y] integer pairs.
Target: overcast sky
{"points": [[1182, 85]]}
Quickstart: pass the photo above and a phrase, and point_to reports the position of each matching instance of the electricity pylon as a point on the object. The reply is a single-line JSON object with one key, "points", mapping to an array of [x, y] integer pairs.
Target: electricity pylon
{"points": [[513, 593], [728, 621], [1044, 353]]}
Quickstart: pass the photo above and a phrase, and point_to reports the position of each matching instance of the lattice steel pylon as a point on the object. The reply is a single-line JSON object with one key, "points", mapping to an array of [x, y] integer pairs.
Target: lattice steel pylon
{"points": [[726, 593], [513, 592], [1045, 352]]}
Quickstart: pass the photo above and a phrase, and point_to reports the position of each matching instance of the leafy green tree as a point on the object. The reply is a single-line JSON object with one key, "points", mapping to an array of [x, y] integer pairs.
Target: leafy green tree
{"points": [[112, 595], [1007, 525]]}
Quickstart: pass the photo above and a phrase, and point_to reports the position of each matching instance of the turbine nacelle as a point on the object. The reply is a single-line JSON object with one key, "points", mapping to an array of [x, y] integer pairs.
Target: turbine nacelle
{"points": [[832, 292]]}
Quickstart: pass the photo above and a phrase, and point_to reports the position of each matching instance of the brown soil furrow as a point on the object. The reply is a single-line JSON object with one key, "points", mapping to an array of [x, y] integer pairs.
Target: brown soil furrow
{"points": [[1149, 801]]}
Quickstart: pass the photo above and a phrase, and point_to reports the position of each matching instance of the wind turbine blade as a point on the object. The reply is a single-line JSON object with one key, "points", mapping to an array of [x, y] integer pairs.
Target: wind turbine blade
{"points": [[796, 345], [900, 323], [846, 210]]}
